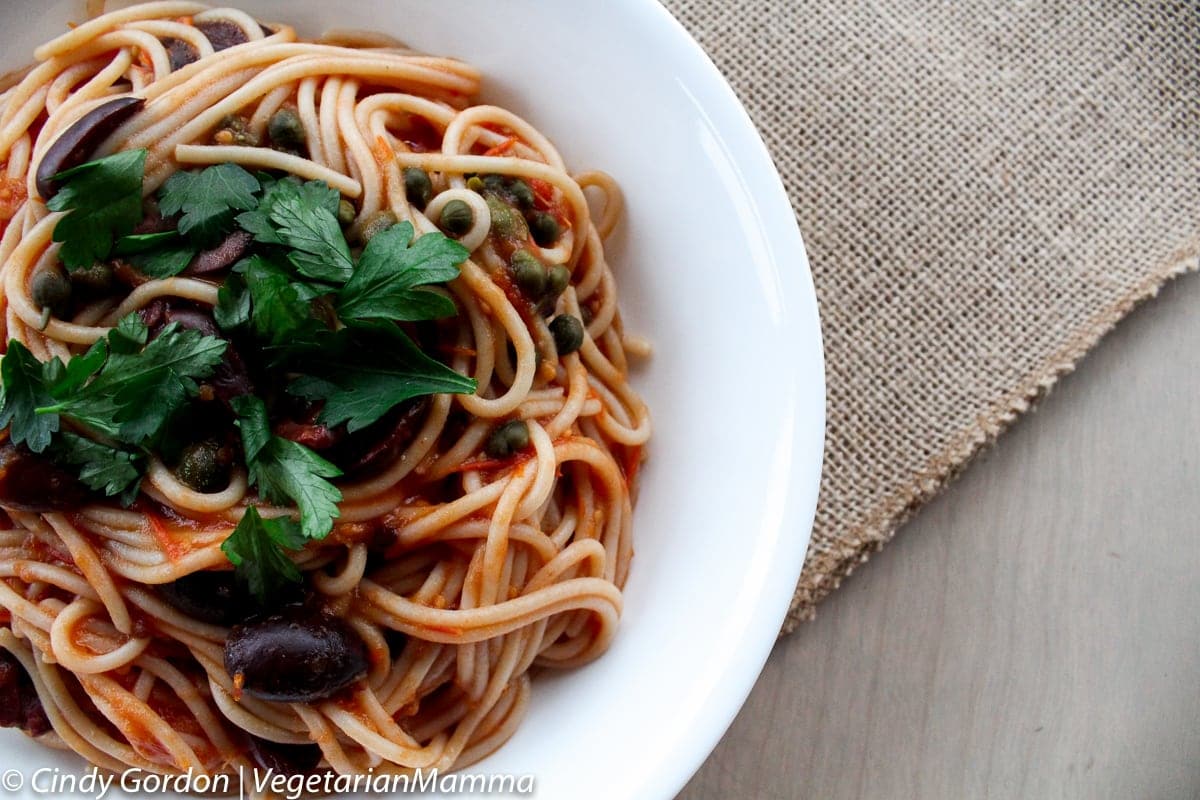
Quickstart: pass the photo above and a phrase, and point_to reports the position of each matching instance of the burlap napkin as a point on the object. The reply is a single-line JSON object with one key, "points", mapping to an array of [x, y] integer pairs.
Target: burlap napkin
{"points": [[985, 188]]}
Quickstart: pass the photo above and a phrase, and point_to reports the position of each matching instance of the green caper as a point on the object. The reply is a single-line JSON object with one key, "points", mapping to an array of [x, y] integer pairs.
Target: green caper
{"points": [[378, 222], [522, 193], [505, 221], [96, 279], [235, 129], [346, 213], [202, 468], [507, 439], [557, 280], [529, 274], [417, 186], [568, 333], [286, 130], [494, 182], [544, 228], [475, 183], [52, 290], [457, 218]]}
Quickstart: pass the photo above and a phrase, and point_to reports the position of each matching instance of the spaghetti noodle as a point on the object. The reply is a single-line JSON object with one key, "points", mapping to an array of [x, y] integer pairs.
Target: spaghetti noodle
{"points": [[457, 565]]}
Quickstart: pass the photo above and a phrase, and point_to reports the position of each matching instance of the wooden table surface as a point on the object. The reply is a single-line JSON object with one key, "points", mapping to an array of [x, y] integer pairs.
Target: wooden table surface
{"points": [[1032, 633]]}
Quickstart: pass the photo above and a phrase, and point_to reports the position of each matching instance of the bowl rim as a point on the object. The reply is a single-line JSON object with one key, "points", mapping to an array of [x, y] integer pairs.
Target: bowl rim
{"points": [[733, 125]]}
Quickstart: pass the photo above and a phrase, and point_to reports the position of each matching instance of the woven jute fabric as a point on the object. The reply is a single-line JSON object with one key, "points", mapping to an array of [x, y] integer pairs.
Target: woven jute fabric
{"points": [[985, 188]]}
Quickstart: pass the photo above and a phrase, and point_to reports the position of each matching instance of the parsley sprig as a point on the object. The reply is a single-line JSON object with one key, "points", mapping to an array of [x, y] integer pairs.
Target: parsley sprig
{"points": [[325, 319], [121, 388]]}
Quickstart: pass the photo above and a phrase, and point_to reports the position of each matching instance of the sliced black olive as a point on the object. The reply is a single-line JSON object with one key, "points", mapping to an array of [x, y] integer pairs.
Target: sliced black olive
{"points": [[180, 52], [32, 482], [217, 598], [283, 759], [231, 378], [20, 706], [222, 33], [299, 655], [380, 443], [223, 256], [77, 142], [221, 598]]}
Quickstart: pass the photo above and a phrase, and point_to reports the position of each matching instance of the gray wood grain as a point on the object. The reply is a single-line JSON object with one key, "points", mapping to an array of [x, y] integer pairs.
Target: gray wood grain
{"points": [[1034, 632]]}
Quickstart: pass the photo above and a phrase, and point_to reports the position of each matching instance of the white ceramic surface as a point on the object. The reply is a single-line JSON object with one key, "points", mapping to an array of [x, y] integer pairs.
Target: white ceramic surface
{"points": [[711, 267]]}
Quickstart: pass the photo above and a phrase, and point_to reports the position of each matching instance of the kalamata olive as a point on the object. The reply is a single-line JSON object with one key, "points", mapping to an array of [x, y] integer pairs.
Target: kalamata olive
{"points": [[283, 759], [223, 256], [20, 706], [215, 597], [231, 378], [222, 33], [77, 142], [180, 52], [32, 482], [299, 655], [219, 597], [380, 443]]}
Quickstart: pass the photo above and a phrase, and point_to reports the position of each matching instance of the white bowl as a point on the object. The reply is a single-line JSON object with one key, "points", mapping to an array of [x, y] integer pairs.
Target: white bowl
{"points": [[710, 267]]}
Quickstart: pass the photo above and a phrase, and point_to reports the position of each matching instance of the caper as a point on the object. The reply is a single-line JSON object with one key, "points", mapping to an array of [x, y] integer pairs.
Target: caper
{"points": [[378, 222], [507, 439], [568, 333], [544, 228], [557, 280], [51, 289], [201, 467], [286, 130], [234, 129], [505, 221], [529, 274], [417, 186], [457, 218], [475, 183], [494, 182], [346, 213], [96, 279], [522, 193]]}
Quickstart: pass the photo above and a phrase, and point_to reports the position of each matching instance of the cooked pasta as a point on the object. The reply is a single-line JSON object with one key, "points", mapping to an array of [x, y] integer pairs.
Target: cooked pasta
{"points": [[479, 536]]}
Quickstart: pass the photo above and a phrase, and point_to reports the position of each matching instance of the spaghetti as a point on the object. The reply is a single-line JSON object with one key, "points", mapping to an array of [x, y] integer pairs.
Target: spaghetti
{"points": [[457, 565]]}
